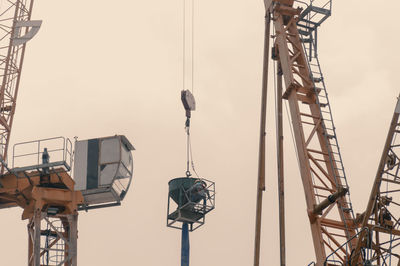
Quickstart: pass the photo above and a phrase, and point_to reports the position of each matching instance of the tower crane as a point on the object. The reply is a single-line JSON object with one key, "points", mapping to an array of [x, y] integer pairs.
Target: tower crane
{"points": [[339, 237], [39, 179], [327, 195]]}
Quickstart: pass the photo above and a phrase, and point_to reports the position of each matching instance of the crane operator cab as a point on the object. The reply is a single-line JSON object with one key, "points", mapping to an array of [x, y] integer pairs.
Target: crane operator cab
{"points": [[102, 167], [103, 170]]}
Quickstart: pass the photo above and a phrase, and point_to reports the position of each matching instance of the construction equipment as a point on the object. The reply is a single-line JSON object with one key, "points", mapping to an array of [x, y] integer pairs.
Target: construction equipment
{"points": [[378, 241], [50, 198], [39, 180], [17, 28], [340, 238], [189, 198], [325, 184]]}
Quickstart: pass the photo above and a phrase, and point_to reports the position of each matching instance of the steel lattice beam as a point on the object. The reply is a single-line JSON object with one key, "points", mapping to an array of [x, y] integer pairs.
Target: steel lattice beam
{"points": [[16, 28]]}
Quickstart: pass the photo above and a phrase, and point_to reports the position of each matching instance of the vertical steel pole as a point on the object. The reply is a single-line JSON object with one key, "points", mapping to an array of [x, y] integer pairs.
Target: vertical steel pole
{"points": [[281, 187], [31, 241], [73, 238], [185, 246], [35, 234], [261, 155]]}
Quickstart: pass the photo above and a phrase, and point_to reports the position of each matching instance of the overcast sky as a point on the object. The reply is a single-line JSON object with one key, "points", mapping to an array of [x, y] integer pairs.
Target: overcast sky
{"points": [[100, 68]]}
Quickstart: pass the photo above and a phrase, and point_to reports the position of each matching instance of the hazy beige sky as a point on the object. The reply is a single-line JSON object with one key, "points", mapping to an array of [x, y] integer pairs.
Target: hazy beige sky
{"points": [[101, 68]]}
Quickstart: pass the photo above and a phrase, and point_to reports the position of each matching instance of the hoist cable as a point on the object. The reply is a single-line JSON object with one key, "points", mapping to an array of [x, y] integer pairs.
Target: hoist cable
{"points": [[184, 44], [188, 17], [187, 152], [192, 46], [192, 160], [189, 155]]}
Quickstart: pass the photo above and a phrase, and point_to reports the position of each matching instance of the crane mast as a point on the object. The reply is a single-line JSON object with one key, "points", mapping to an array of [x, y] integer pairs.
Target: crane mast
{"points": [[324, 181], [16, 29]]}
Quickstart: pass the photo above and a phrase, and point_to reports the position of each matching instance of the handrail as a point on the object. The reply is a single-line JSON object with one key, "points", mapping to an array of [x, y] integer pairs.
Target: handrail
{"points": [[65, 147]]}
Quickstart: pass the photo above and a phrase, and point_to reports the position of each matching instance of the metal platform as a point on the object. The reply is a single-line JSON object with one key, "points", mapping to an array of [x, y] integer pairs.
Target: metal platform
{"points": [[191, 207], [27, 156]]}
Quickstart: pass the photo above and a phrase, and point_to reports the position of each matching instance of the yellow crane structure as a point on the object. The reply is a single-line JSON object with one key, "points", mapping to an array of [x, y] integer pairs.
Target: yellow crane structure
{"points": [[379, 238], [43, 188], [339, 237], [321, 168]]}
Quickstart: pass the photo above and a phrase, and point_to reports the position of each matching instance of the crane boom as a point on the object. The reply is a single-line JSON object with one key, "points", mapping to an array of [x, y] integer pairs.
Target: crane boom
{"points": [[15, 20], [379, 238], [325, 185]]}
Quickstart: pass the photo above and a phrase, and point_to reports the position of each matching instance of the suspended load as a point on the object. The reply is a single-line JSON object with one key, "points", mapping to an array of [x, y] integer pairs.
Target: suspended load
{"points": [[103, 169], [189, 198], [193, 199]]}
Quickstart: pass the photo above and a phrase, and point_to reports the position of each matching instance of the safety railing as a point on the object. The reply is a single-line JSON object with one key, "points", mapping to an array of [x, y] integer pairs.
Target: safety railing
{"points": [[36, 154]]}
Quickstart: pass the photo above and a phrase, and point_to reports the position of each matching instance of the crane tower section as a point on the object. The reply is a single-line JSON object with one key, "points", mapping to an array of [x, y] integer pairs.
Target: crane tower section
{"points": [[324, 181], [379, 238], [16, 29]]}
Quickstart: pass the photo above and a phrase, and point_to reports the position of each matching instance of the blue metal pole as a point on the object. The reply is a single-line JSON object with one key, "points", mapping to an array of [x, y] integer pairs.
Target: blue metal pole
{"points": [[185, 245]]}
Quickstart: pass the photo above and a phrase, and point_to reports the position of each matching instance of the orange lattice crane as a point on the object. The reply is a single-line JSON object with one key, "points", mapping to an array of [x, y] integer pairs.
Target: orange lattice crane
{"points": [[339, 237], [301, 83], [17, 28], [39, 180]]}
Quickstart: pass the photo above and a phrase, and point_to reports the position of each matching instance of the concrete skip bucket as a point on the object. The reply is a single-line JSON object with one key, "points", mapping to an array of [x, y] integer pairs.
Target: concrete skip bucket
{"points": [[193, 199]]}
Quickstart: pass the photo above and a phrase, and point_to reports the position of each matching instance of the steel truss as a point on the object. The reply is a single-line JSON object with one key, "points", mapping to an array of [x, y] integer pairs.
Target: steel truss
{"points": [[324, 182], [52, 239], [379, 242], [14, 18]]}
